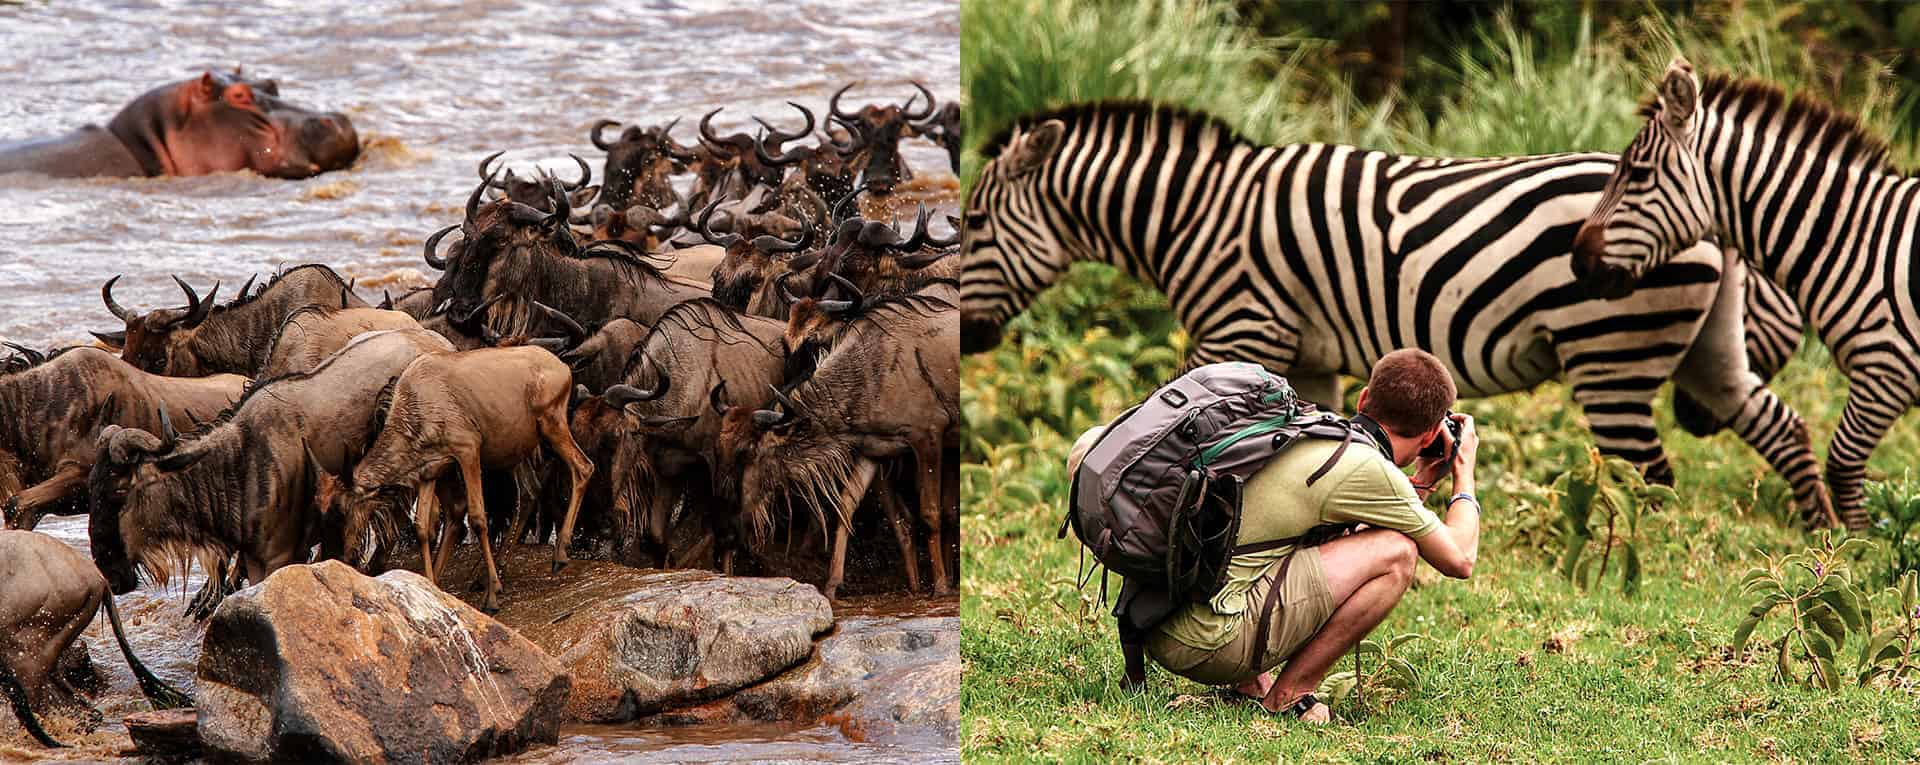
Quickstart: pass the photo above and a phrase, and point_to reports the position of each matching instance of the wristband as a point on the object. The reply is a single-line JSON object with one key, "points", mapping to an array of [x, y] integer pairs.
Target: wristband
{"points": [[1467, 497]]}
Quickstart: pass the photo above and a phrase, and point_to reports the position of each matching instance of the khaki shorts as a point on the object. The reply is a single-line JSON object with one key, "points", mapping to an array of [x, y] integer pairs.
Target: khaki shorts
{"points": [[1304, 607]]}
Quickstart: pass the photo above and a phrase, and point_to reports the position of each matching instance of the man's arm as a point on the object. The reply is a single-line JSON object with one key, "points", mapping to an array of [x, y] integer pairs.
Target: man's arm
{"points": [[1453, 549]]}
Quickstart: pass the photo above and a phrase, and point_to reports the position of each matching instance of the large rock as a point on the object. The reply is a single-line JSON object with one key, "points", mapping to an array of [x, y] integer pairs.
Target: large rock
{"points": [[321, 663], [875, 677], [638, 641]]}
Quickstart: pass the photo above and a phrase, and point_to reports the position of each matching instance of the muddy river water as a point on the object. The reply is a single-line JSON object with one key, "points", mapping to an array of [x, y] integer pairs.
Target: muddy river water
{"points": [[431, 87]]}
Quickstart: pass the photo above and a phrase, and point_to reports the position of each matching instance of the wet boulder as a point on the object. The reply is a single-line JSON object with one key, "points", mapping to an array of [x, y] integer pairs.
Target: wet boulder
{"points": [[322, 663], [638, 641], [875, 677]]}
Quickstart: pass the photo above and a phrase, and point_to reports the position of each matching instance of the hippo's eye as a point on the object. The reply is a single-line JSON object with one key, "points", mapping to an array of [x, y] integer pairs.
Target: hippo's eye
{"points": [[240, 96]]}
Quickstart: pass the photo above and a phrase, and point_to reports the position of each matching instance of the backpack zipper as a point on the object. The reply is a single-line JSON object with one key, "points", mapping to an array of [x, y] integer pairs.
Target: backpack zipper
{"points": [[1268, 425]]}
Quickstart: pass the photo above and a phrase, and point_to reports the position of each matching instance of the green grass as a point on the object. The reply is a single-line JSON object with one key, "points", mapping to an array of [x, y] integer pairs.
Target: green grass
{"points": [[1518, 665]]}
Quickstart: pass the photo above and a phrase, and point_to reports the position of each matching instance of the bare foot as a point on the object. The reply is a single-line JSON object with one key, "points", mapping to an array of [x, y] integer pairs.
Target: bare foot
{"points": [[1320, 714]]}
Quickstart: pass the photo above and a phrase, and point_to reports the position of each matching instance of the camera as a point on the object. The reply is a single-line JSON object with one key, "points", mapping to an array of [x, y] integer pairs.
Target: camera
{"points": [[1445, 448]]}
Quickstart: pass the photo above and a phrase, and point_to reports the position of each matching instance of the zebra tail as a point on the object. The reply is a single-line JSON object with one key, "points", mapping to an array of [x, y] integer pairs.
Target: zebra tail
{"points": [[17, 694], [158, 693]]}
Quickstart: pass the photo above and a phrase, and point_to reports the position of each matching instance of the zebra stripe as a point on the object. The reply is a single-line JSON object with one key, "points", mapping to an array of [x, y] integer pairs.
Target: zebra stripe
{"points": [[1315, 260], [1808, 197]]}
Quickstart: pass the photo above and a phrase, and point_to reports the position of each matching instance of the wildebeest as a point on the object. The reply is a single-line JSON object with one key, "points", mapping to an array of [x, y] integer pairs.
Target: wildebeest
{"points": [[203, 338], [51, 412], [944, 128], [639, 166], [875, 133], [749, 261], [515, 254], [889, 390], [598, 359], [245, 482], [488, 408], [700, 359], [52, 593], [533, 190], [212, 124], [315, 332]]}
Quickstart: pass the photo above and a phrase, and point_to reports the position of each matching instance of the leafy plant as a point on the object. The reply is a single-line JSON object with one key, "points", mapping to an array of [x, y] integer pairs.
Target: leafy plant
{"points": [[1610, 493], [1893, 653], [1376, 666], [1896, 512], [1816, 589]]}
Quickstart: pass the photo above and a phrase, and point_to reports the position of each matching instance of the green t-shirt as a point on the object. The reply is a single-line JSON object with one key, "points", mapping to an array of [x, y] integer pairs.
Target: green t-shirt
{"points": [[1363, 487]]}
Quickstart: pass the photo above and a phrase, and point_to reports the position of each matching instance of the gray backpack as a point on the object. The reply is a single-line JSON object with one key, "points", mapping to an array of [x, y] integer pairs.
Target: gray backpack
{"points": [[1157, 498]]}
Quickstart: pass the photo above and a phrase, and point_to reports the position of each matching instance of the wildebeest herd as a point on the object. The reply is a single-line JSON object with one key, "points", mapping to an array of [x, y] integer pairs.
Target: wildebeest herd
{"points": [[759, 355]]}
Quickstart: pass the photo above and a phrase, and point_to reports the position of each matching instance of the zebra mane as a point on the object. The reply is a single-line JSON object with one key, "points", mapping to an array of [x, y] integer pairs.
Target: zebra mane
{"points": [[1075, 114], [1824, 120]]}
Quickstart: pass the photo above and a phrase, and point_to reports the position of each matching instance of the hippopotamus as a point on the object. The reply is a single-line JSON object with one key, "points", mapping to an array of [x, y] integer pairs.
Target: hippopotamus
{"points": [[212, 124]]}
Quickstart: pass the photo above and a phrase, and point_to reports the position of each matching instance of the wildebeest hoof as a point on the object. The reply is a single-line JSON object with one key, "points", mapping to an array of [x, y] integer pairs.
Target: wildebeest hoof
{"points": [[558, 566]]}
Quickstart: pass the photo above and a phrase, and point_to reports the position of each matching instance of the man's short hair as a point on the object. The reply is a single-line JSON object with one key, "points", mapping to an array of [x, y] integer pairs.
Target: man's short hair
{"points": [[1409, 392]]}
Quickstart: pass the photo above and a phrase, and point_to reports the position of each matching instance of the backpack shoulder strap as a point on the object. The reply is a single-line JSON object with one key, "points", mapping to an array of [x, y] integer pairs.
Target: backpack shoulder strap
{"points": [[1338, 452]]}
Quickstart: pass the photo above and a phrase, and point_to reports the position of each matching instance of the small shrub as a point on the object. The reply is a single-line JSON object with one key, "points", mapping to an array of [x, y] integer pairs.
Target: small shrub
{"points": [[1376, 666], [1893, 653], [1823, 605], [1896, 513], [1608, 492]]}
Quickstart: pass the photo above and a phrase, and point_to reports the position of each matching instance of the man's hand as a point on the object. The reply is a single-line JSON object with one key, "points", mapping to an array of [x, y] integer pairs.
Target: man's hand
{"points": [[1428, 472], [1466, 454]]}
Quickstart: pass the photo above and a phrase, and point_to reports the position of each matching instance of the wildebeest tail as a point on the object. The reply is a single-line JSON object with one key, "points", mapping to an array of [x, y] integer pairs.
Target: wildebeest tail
{"points": [[17, 694], [158, 693]]}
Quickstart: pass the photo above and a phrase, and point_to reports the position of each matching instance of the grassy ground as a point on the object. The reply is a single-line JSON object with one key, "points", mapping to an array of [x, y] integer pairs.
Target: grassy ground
{"points": [[1517, 663]]}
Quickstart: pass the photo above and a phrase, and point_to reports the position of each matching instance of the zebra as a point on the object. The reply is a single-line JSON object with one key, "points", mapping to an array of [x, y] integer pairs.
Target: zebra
{"points": [[1809, 199], [1317, 259]]}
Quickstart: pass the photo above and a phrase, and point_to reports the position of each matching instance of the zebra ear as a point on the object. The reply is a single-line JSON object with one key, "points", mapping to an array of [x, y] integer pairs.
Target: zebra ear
{"points": [[1032, 151], [1679, 95]]}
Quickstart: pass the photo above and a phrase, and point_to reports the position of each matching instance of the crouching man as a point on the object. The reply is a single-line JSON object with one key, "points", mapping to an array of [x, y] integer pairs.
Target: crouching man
{"points": [[1296, 591]]}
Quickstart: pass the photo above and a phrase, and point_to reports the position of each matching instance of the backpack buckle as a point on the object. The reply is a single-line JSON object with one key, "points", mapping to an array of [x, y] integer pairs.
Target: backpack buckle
{"points": [[1173, 397]]}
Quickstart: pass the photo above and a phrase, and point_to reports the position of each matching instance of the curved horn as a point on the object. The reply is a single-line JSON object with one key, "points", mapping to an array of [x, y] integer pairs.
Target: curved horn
{"points": [[586, 175], [919, 237], [247, 286], [674, 148], [792, 156], [115, 339], [386, 300], [856, 138], [600, 141], [839, 207], [776, 136], [196, 308], [476, 311], [473, 202], [106, 294], [713, 398], [853, 292], [562, 205], [781, 396], [487, 175], [33, 356], [433, 245], [780, 282], [706, 228], [712, 141], [623, 394], [166, 424], [833, 104], [924, 113], [769, 243], [573, 329]]}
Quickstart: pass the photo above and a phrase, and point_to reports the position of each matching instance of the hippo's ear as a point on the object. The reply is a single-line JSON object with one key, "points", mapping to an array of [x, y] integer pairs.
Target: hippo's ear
{"points": [[206, 90]]}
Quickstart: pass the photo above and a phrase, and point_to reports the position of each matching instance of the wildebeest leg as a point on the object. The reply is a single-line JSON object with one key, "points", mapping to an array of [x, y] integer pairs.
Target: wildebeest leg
{"points": [[666, 493], [16, 694], [425, 507], [902, 532], [927, 458], [950, 508], [24, 509], [477, 520], [553, 425], [843, 522], [451, 528]]}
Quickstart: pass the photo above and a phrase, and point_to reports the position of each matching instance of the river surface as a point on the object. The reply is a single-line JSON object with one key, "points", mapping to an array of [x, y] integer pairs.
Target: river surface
{"points": [[431, 87]]}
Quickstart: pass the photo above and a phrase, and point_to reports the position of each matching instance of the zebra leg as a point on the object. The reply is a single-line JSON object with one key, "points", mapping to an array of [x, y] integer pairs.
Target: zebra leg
{"points": [[1717, 375], [1872, 406], [1622, 423]]}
